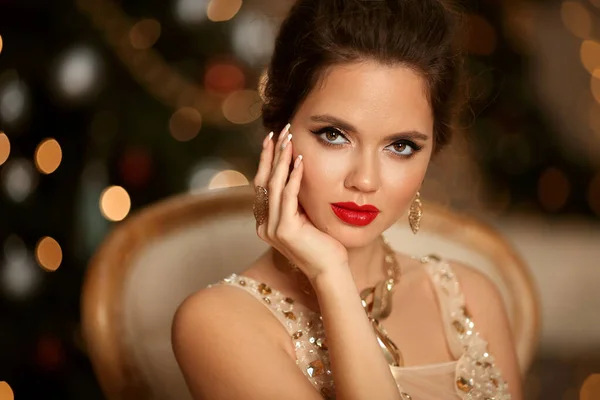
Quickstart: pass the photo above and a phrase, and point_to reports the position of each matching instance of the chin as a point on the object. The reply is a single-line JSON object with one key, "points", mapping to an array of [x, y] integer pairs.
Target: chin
{"points": [[352, 236]]}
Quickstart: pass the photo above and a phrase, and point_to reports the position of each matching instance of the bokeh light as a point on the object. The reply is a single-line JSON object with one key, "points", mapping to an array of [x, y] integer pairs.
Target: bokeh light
{"points": [[48, 156], [590, 390], [1, 44], [20, 276], [14, 98], [242, 107], [553, 189], [226, 179], [185, 124], [78, 74], [589, 53], [4, 147], [115, 203], [144, 34], [48, 254], [223, 10], [190, 12], [6, 392], [253, 37], [593, 195], [576, 18], [482, 36], [203, 172], [224, 78], [19, 179]]}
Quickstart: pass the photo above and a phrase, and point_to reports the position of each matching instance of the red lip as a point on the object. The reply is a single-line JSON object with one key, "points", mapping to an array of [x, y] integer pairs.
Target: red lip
{"points": [[354, 214]]}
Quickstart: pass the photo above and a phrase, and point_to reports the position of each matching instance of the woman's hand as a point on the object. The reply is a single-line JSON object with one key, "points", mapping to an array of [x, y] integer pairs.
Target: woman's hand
{"points": [[287, 228]]}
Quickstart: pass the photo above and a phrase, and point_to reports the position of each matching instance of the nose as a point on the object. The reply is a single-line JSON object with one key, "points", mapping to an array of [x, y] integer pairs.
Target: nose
{"points": [[364, 174]]}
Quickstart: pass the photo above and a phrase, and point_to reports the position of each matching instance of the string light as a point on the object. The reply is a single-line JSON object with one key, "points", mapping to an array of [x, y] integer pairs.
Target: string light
{"points": [[115, 203], [4, 147], [48, 254], [48, 156], [147, 66]]}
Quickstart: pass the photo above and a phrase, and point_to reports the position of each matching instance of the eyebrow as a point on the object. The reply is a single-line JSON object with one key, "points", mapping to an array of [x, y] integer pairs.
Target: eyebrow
{"points": [[410, 134]]}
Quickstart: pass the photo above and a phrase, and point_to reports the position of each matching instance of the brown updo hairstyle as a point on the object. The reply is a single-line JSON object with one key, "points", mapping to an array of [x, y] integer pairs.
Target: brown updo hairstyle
{"points": [[318, 34]]}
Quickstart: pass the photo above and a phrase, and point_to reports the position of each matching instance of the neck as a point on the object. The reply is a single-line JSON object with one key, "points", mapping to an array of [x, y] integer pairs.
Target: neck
{"points": [[366, 263]]}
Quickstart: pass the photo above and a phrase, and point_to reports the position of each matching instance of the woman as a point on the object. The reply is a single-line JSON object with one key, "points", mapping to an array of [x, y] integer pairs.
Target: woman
{"points": [[330, 311]]}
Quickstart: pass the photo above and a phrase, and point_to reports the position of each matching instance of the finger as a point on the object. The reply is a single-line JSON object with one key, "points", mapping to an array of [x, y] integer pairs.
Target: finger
{"points": [[265, 163], [289, 201], [277, 183], [280, 139]]}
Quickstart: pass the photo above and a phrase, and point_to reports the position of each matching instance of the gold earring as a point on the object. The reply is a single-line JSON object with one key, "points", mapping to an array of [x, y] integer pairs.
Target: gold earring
{"points": [[415, 213]]}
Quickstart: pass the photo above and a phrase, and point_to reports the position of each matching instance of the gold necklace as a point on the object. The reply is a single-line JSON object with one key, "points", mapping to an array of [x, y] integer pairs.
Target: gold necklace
{"points": [[376, 300]]}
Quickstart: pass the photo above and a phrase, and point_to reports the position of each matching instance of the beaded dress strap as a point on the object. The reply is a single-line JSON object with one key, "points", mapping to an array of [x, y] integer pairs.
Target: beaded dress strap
{"points": [[477, 376]]}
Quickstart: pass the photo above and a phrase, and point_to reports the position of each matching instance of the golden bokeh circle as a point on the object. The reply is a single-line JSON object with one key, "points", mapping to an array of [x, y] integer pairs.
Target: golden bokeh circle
{"points": [[6, 392], [223, 10], [589, 52], [115, 203], [185, 124], [577, 19], [242, 107], [48, 156], [590, 390], [4, 147], [48, 254], [227, 178]]}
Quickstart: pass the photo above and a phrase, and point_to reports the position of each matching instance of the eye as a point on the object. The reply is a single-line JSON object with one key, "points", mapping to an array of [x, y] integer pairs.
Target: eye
{"points": [[331, 136], [404, 148]]}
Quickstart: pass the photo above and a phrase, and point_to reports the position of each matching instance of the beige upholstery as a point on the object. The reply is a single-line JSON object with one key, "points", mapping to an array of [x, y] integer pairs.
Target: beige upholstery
{"points": [[155, 259]]}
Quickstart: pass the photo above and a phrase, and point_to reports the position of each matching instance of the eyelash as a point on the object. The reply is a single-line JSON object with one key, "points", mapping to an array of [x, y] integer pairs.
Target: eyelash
{"points": [[415, 147]]}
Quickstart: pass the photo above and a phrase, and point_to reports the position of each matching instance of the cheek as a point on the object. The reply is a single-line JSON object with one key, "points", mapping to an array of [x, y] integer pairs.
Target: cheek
{"points": [[400, 189]]}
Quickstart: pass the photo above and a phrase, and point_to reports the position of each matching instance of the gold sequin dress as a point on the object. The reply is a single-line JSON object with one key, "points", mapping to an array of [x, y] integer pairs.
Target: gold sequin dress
{"points": [[471, 376]]}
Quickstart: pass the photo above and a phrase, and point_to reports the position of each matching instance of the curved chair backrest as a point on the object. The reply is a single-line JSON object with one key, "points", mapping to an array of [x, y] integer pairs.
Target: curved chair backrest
{"points": [[151, 262]]}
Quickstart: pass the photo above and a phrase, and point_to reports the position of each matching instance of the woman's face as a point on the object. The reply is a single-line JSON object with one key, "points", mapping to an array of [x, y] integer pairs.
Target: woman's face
{"points": [[366, 135]]}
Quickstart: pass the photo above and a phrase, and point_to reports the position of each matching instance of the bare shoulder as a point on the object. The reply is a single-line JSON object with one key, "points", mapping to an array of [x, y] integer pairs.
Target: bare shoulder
{"points": [[219, 334]]}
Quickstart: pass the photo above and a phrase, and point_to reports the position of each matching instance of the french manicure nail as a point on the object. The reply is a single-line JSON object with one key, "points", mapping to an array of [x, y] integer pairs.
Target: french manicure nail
{"points": [[266, 141], [285, 130], [298, 160], [286, 141]]}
